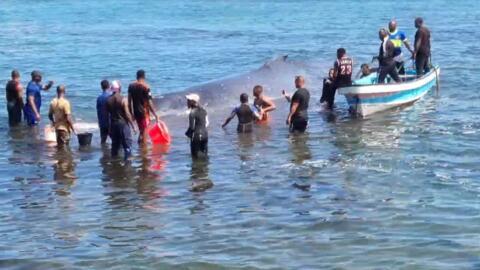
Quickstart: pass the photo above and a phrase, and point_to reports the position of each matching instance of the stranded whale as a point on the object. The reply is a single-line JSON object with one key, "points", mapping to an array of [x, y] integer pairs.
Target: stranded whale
{"points": [[274, 75]]}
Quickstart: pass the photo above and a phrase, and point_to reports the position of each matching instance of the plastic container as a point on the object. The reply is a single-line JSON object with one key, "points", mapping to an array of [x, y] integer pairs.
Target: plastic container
{"points": [[84, 139], [159, 134], [49, 134]]}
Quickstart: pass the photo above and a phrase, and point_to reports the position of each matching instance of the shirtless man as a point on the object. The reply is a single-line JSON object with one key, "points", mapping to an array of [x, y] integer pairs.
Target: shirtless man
{"points": [[263, 103]]}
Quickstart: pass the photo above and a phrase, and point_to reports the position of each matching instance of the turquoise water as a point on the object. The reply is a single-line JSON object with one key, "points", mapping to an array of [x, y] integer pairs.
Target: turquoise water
{"points": [[399, 190]]}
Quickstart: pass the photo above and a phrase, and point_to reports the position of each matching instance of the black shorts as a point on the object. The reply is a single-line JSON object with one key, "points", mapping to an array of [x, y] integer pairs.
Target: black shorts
{"points": [[14, 113], [299, 124], [199, 146]]}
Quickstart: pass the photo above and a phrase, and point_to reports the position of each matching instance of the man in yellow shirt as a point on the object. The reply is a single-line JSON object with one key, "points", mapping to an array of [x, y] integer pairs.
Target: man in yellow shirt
{"points": [[61, 116]]}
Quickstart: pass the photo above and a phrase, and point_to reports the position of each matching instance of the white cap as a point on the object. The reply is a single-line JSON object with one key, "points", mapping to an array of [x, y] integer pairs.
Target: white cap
{"points": [[193, 97], [115, 85]]}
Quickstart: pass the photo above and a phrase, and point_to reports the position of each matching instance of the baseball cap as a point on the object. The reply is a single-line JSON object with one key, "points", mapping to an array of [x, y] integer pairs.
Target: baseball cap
{"points": [[193, 97]]}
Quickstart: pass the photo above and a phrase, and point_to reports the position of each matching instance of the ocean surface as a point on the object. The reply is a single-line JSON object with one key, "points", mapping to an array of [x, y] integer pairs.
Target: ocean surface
{"points": [[398, 190]]}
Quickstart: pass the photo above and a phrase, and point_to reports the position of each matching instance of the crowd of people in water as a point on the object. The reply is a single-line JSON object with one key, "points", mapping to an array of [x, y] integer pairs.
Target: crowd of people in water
{"points": [[117, 114]]}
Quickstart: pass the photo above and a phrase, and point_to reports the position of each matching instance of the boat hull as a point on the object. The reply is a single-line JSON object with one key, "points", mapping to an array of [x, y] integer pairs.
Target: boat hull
{"points": [[368, 99]]}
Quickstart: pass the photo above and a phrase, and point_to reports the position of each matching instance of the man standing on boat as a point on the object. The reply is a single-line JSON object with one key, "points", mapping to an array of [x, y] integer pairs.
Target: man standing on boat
{"points": [[385, 58], [422, 47], [398, 38]]}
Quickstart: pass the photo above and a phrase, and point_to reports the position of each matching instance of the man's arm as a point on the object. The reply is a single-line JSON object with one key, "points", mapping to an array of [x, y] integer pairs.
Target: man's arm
{"points": [[129, 116], [151, 107], [287, 96], [50, 115], [407, 45], [31, 101], [418, 43], [270, 105], [293, 109], [19, 90], [232, 115], [68, 116], [191, 125], [48, 86], [130, 101], [335, 69]]}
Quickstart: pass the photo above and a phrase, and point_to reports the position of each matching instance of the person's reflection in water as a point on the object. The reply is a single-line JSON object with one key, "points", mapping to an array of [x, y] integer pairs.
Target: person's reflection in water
{"points": [[301, 152], [64, 170], [246, 142], [199, 177], [148, 177]]}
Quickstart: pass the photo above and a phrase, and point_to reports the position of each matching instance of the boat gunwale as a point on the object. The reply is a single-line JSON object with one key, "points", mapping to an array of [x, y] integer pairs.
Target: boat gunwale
{"points": [[390, 87]]}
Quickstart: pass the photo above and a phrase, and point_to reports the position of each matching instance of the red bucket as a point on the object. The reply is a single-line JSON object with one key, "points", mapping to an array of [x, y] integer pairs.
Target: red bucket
{"points": [[159, 134]]}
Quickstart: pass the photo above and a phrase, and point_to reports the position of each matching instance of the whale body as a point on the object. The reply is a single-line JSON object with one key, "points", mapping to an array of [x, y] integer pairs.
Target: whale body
{"points": [[274, 75]]}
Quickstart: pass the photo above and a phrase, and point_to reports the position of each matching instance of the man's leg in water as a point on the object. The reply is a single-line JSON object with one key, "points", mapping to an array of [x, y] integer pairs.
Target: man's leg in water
{"points": [[126, 141], [142, 123], [115, 136]]}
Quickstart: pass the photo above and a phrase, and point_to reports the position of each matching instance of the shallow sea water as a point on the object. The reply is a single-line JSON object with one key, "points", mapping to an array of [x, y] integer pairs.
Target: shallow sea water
{"points": [[399, 190]]}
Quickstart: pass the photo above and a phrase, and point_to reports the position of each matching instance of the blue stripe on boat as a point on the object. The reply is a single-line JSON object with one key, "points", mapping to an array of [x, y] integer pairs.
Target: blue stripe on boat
{"points": [[396, 97]]}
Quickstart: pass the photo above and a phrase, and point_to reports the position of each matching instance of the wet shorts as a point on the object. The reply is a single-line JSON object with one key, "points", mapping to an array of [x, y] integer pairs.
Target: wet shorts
{"points": [[63, 137], [299, 124], [142, 122]]}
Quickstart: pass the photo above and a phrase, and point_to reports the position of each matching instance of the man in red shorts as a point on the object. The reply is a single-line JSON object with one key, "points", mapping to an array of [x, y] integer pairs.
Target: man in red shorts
{"points": [[140, 104]]}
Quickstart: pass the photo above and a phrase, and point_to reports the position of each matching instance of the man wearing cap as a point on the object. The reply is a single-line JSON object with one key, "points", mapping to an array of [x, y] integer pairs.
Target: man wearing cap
{"points": [[140, 104], [120, 122], [197, 126], [34, 98], [398, 38]]}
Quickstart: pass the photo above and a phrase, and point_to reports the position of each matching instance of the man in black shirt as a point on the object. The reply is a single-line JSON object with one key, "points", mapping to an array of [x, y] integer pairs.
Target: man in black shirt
{"points": [[197, 126], [421, 53], [297, 119], [385, 58], [342, 74], [14, 94], [140, 104]]}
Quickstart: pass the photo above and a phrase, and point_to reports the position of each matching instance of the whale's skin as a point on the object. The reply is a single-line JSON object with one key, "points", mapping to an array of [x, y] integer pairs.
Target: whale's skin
{"points": [[274, 75]]}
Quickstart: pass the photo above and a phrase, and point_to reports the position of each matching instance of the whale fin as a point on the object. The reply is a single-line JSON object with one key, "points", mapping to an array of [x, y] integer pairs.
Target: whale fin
{"points": [[270, 63]]}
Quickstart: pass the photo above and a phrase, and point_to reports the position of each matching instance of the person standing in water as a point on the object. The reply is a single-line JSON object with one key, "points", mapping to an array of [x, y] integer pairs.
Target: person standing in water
{"points": [[14, 93], [327, 86], [120, 122], [342, 74], [398, 38], [246, 115], [60, 114], [297, 119], [385, 58], [263, 103], [140, 104], [102, 112], [421, 53], [34, 98], [197, 126]]}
